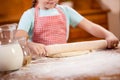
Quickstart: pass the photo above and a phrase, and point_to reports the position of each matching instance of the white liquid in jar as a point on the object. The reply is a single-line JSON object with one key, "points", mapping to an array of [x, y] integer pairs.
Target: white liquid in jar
{"points": [[11, 57]]}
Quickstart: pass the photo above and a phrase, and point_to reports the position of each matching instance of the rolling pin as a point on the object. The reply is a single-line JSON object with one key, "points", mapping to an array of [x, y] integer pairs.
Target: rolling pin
{"points": [[76, 48]]}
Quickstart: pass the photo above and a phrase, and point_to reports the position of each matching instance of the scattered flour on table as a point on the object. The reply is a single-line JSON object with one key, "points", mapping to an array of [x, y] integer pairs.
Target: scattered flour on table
{"points": [[95, 63]]}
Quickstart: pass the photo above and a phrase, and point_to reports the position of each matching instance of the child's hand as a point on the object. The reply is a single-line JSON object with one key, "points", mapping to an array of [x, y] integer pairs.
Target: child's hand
{"points": [[112, 41], [37, 48]]}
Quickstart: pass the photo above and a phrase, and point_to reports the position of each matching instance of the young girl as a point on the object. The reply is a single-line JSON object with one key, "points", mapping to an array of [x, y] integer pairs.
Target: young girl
{"points": [[48, 23]]}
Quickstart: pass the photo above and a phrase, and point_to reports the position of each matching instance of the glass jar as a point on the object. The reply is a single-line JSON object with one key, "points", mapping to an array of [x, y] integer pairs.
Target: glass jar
{"points": [[13, 52]]}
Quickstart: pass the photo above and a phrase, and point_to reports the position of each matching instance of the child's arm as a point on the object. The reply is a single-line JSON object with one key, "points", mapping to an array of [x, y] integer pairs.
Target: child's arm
{"points": [[99, 31], [35, 48]]}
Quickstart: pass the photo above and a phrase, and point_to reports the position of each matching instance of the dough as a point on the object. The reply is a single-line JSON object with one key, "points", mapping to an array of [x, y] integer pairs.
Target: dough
{"points": [[69, 54]]}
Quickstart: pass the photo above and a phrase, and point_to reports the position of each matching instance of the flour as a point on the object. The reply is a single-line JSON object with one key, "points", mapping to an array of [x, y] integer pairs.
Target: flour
{"points": [[11, 57], [93, 64]]}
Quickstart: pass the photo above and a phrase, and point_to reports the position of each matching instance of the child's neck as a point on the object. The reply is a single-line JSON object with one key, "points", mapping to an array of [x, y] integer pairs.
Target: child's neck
{"points": [[45, 8]]}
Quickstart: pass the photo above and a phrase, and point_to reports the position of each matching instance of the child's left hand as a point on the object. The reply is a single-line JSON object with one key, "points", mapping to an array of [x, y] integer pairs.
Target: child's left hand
{"points": [[112, 41]]}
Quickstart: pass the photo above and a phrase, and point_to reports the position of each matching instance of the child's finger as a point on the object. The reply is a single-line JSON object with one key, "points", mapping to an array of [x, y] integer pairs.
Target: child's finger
{"points": [[44, 52]]}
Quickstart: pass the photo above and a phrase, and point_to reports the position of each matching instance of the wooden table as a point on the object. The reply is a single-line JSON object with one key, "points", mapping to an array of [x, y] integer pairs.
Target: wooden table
{"points": [[98, 65]]}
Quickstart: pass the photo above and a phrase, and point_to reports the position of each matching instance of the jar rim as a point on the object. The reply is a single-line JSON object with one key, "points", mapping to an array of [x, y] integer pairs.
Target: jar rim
{"points": [[8, 27]]}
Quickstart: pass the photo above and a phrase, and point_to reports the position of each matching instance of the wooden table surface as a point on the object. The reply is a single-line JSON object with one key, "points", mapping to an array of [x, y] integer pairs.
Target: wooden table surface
{"points": [[97, 65]]}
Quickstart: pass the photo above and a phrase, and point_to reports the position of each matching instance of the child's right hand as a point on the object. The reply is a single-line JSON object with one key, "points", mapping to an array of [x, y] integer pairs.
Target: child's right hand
{"points": [[37, 49]]}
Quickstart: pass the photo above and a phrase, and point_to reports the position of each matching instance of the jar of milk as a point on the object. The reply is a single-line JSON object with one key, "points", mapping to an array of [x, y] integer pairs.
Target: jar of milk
{"points": [[13, 52]]}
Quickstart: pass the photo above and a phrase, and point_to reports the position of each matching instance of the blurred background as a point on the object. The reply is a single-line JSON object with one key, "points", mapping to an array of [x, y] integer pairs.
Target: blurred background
{"points": [[103, 12], [113, 15]]}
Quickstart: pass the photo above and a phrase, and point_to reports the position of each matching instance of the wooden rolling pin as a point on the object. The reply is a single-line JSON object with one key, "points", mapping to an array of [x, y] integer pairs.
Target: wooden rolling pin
{"points": [[76, 48]]}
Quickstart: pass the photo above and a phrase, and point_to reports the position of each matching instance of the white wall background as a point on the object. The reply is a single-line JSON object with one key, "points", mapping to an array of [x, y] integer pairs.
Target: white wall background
{"points": [[113, 16]]}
